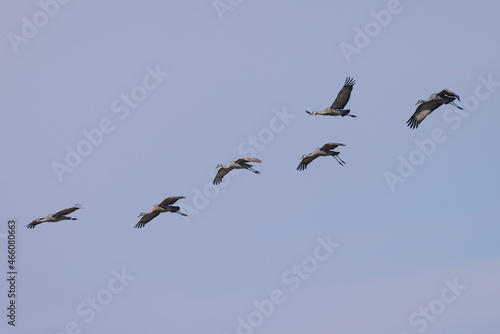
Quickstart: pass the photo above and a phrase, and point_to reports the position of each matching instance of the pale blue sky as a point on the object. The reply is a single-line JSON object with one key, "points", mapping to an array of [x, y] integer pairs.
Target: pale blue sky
{"points": [[227, 82]]}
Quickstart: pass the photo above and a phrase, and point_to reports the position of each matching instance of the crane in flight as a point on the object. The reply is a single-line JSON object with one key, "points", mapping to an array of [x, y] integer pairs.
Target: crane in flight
{"points": [[323, 151], [55, 217], [425, 107], [337, 107], [164, 206], [241, 163]]}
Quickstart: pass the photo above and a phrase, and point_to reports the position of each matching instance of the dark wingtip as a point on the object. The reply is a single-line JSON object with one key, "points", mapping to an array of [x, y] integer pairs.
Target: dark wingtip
{"points": [[412, 123], [349, 81]]}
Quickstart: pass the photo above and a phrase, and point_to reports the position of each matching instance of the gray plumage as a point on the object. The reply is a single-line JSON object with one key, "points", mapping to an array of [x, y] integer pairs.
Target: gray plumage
{"points": [[55, 217], [164, 206], [425, 107], [337, 107], [325, 150], [240, 163]]}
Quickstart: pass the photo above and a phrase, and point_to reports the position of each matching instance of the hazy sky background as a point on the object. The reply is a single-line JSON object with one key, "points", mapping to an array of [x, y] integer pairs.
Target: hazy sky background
{"points": [[230, 74]]}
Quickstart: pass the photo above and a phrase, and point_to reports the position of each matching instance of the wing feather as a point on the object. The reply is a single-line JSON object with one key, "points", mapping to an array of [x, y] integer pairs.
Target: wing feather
{"points": [[344, 95], [240, 160], [306, 161], [220, 174], [170, 200], [147, 218], [448, 93], [330, 146], [33, 224], [67, 211], [418, 116]]}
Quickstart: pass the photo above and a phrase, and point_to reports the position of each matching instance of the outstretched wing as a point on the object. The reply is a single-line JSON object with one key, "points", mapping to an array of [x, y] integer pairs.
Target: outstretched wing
{"points": [[170, 200], [306, 161], [330, 146], [67, 211], [344, 95], [33, 224], [146, 219], [220, 174], [448, 93], [241, 160], [419, 115]]}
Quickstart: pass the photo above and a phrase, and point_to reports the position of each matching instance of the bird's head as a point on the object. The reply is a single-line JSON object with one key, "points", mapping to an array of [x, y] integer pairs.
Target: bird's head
{"points": [[302, 157], [218, 166], [140, 214], [419, 102], [38, 220]]}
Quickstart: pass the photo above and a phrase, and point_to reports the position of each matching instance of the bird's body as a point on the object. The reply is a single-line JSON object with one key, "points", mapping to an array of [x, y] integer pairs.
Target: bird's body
{"points": [[241, 163], [325, 150], [337, 107], [425, 107], [55, 217], [165, 206]]}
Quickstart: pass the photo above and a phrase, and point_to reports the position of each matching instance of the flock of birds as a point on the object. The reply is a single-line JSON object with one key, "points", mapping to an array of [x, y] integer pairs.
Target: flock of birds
{"points": [[425, 107]]}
